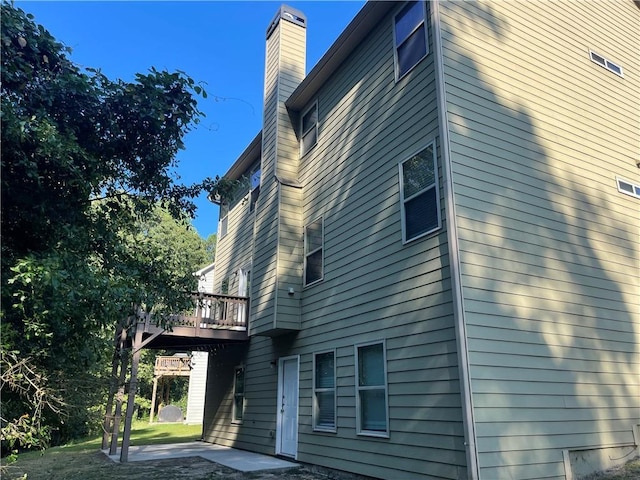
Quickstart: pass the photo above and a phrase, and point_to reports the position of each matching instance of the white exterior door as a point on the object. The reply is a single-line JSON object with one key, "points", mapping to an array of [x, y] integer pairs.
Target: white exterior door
{"points": [[287, 431]]}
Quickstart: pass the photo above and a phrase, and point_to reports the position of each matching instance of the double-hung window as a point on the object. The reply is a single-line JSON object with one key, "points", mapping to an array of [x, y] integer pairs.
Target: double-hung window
{"points": [[410, 37], [224, 219], [238, 395], [313, 252], [255, 187], [371, 390], [324, 392], [308, 129], [420, 203]]}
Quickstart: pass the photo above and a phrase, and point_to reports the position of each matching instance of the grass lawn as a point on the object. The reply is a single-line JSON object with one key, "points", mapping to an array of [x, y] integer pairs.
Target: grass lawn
{"points": [[144, 433], [82, 459]]}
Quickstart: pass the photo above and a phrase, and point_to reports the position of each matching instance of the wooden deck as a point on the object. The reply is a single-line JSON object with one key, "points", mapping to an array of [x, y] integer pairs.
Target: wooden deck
{"points": [[216, 319], [172, 366]]}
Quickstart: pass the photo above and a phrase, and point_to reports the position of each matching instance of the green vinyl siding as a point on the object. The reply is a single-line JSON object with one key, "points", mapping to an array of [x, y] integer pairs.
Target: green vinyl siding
{"points": [[374, 288], [548, 247]]}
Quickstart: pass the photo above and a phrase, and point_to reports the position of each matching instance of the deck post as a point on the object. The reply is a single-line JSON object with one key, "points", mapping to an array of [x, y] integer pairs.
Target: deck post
{"points": [[118, 345], [153, 398], [133, 385], [124, 357]]}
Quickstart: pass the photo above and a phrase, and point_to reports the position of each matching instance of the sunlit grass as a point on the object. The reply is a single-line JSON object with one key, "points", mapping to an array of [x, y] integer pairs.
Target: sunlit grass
{"points": [[143, 433]]}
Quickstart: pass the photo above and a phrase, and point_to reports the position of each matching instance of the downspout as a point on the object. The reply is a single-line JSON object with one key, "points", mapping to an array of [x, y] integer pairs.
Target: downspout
{"points": [[473, 468]]}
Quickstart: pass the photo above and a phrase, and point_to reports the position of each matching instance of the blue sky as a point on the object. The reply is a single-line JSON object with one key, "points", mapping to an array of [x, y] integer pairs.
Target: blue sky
{"points": [[219, 43]]}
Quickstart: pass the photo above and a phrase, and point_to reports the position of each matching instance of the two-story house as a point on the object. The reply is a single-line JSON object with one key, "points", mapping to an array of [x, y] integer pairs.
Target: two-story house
{"points": [[438, 229]]}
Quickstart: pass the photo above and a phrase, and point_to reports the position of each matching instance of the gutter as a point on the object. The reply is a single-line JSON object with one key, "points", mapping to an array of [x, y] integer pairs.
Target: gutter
{"points": [[473, 467]]}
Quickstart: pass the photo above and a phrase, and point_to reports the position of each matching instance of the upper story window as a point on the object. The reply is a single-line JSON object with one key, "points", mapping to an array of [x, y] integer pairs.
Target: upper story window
{"points": [[255, 187], [410, 37], [313, 252], [224, 219], [308, 129], [420, 203], [606, 63], [324, 392]]}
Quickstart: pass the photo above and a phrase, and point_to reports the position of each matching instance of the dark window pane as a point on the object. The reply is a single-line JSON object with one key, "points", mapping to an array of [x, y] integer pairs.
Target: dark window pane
{"points": [[407, 20], [421, 214], [239, 381], [223, 227], [309, 140], [627, 187], [411, 51], [418, 173], [238, 404], [598, 59], [614, 67], [324, 370], [373, 410], [255, 178], [326, 409], [371, 365], [309, 119], [314, 267], [314, 236]]}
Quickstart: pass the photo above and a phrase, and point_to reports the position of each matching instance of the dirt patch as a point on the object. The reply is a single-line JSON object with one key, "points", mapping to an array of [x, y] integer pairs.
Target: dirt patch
{"points": [[91, 465]]}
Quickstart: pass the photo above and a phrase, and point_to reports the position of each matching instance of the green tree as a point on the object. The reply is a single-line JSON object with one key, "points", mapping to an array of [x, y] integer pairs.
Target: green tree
{"points": [[85, 162], [210, 246]]}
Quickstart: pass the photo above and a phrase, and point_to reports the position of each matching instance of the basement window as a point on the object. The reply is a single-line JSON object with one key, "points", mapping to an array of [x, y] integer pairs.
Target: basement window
{"points": [[628, 188], [606, 63]]}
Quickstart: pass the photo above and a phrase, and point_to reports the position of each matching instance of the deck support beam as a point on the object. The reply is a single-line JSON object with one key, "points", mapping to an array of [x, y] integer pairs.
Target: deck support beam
{"points": [[136, 348]]}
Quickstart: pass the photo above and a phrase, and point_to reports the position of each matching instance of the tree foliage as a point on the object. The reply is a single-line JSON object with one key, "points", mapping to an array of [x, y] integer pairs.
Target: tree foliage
{"points": [[88, 189]]}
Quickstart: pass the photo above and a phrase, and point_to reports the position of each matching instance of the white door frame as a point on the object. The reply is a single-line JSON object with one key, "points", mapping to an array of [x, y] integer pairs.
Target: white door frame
{"points": [[281, 428]]}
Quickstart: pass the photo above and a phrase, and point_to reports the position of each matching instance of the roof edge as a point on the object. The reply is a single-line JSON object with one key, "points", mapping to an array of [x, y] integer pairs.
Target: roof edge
{"points": [[349, 39]]}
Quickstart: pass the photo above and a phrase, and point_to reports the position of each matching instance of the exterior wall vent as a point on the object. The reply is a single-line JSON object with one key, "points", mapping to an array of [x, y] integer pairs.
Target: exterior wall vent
{"points": [[628, 188], [606, 63]]}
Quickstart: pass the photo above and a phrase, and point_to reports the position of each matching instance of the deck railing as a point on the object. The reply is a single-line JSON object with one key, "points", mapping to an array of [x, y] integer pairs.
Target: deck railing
{"points": [[212, 311], [173, 365]]}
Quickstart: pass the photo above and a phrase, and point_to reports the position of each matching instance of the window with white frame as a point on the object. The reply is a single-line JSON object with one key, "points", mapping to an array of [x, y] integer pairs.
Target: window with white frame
{"points": [[238, 395], [308, 129], [628, 188], [410, 37], [420, 203], [371, 390], [224, 215], [313, 252], [324, 392], [606, 63], [255, 187]]}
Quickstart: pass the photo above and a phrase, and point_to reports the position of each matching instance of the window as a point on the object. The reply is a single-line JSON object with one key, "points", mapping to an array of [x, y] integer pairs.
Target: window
{"points": [[224, 214], [313, 256], [419, 194], [255, 188], [238, 395], [324, 392], [606, 63], [371, 390], [628, 188], [410, 37], [309, 129]]}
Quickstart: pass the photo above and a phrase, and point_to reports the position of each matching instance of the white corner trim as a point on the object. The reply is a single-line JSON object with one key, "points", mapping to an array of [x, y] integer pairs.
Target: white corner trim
{"points": [[473, 467]]}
